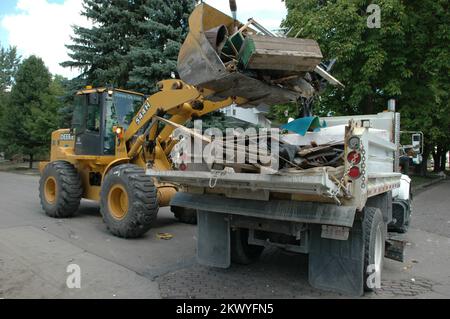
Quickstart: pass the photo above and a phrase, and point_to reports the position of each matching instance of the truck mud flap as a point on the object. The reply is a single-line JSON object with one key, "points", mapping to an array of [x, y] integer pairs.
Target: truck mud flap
{"points": [[395, 247], [213, 244], [337, 265]]}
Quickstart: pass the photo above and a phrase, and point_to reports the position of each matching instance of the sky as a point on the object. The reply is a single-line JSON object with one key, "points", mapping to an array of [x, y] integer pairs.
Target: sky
{"points": [[44, 27]]}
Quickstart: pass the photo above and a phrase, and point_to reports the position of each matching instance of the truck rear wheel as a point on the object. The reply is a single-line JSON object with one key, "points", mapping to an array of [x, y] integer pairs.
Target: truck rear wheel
{"points": [[374, 230], [129, 202], [60, 189], [241, 251], [185, 215]]}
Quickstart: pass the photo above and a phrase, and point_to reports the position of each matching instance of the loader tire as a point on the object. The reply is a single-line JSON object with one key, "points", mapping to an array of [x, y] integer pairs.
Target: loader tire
{"points": [[374, 230], [60, 189], [185, 215], [129, 203], [241, 251]]}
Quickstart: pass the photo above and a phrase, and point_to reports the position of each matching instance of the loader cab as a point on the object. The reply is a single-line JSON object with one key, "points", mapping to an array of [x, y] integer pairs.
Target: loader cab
{"points": [[96, 112]]}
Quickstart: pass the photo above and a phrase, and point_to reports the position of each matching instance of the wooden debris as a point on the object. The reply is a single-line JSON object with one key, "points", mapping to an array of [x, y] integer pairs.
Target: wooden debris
{"points": [[284, 54]]}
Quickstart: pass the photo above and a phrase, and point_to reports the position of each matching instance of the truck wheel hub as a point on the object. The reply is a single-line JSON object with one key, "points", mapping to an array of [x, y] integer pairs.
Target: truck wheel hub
{"points": [[378, 260]]}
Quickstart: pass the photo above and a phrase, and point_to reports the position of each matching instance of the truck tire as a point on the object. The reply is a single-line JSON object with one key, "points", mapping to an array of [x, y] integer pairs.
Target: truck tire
{"points": [[185, 215], [129, 202], [60, 189], [241, 251], [374, 230]]}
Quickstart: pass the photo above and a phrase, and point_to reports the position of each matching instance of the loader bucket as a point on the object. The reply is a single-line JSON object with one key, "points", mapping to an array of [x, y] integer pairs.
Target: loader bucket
{"points": [[204, 61]]}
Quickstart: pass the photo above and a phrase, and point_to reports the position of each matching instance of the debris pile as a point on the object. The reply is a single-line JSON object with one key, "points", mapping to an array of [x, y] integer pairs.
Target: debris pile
{"points": [[253, 153], [310, 156], [248, 61]]}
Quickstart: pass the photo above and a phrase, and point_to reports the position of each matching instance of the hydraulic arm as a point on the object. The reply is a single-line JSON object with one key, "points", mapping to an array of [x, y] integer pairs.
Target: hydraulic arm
{"points": [[178, 102]]}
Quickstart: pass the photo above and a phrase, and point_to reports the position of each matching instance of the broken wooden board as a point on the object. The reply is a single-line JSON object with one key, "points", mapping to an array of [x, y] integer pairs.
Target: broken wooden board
{"points": [[284, 54]]}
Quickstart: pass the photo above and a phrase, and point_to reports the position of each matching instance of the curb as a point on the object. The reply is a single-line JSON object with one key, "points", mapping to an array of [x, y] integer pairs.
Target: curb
{"points": [[418, 189]]}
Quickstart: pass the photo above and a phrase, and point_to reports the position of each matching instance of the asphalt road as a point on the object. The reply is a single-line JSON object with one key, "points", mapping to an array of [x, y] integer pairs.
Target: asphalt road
{"points": [[35, 251]]}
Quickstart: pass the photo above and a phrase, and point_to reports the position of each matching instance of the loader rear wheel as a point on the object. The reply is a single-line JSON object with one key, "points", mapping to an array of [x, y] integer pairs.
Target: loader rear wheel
{"points": [[129, 202], [60, 189], [185, 215], [241, 251], [374, 230]]}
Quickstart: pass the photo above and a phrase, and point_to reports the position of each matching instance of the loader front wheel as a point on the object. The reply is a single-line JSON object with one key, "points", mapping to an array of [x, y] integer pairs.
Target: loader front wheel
{"points": [[60, 189], [129, 202]]}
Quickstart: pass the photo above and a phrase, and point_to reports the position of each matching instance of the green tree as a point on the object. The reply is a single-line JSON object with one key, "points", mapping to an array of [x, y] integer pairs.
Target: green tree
{"points": [[163, 30], [44, 119], [132, 44], [9, 63], [30, 115], [280, 114], [69, 89], [100, 52], [406, 59]]}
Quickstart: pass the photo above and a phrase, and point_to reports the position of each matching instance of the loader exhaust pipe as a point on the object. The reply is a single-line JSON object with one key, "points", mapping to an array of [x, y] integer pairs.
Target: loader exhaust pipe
{"points": [[233, 8]]}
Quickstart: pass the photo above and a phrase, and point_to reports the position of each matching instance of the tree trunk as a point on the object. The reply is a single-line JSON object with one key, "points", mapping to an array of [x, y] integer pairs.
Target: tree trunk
{"points": [[421, 169], [443, 159], [436, 160], [31, 161]]}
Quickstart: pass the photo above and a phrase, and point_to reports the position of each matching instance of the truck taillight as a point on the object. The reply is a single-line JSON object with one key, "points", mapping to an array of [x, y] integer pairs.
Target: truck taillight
{"points": [[354, 142], [354, 172], [354, 157]]}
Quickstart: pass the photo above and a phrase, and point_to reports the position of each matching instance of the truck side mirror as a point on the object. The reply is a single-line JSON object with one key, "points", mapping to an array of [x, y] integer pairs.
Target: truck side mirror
{"points": [[416, 142]]}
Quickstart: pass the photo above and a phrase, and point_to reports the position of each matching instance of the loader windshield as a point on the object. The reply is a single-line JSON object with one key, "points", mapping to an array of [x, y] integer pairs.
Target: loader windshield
{"points": [[126, 105], [120, 110]]}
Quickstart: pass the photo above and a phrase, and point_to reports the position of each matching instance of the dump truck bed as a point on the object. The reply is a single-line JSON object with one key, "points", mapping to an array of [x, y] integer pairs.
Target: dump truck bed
{"points": [[318, 184], [259, 186]]}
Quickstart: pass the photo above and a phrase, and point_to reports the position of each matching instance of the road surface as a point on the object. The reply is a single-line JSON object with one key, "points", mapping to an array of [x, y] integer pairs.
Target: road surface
{"points": [[36, 250]]}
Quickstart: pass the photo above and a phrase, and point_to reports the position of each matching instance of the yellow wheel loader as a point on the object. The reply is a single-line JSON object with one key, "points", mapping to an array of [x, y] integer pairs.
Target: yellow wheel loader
{"points": [[114, 137], [117, 134]]}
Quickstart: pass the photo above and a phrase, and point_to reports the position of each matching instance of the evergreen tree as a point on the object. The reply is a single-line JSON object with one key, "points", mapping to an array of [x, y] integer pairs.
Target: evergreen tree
{"points": [[69, 89], [132, 44], [163, 31], [101, 51], [9, 62], [43, 119], [29, 116]]}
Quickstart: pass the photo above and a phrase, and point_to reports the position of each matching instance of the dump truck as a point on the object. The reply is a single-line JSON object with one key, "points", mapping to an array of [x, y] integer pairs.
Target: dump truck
{"points": [[340, 198], [116, 134], [339, 216]]}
